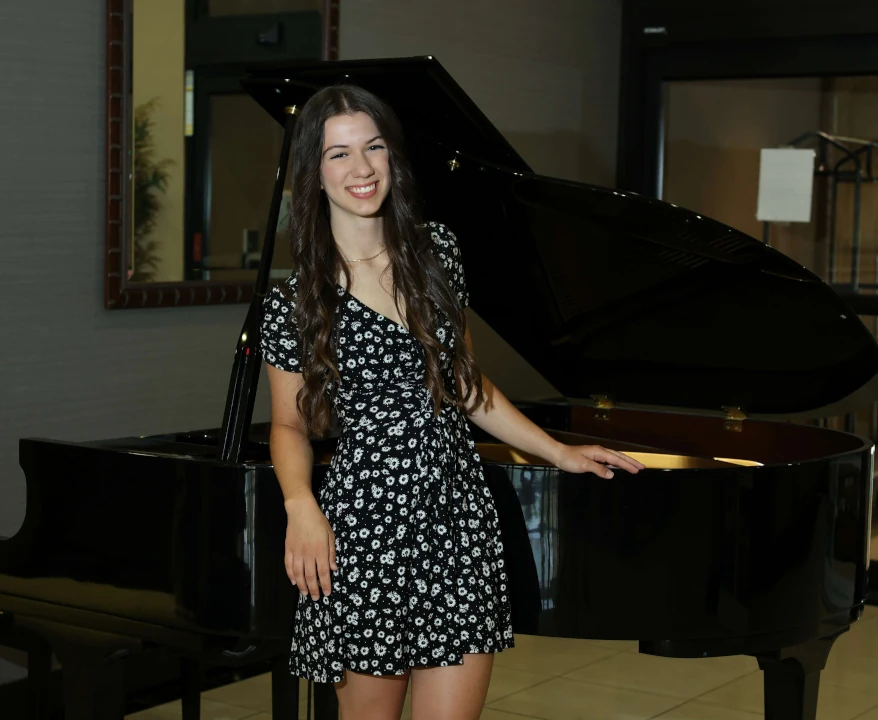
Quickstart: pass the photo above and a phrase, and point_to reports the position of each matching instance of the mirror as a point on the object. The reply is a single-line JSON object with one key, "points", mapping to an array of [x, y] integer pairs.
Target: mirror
{"points": [[191, 158]]}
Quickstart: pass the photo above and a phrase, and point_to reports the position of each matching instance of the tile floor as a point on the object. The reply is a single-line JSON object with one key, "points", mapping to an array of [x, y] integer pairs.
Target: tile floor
{"points": [[559, 679]]}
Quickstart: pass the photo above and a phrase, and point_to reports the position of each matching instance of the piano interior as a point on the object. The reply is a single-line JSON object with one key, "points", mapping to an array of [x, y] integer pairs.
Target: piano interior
{"points": [[499, 453], [496, 452]]}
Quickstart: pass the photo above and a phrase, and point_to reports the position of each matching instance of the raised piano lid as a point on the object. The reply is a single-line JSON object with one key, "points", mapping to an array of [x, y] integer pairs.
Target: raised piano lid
{"points": [[607, 293]]}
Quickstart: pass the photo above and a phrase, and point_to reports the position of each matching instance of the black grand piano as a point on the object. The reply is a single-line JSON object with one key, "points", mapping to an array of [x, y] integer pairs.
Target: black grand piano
{"points": [[664, 333]]}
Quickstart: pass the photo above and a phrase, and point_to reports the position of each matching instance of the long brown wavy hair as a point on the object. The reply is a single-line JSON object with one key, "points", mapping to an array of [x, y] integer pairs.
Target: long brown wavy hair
{"points": [[418, 277]]}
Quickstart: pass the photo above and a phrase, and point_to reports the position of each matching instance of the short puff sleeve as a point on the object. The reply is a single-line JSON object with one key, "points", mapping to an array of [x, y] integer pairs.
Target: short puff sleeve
{"points": [[447, 250], [279, 336]]}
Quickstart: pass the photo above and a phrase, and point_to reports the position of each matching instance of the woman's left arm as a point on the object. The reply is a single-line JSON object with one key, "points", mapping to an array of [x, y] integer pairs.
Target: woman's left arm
{"points": [[501, 419]]}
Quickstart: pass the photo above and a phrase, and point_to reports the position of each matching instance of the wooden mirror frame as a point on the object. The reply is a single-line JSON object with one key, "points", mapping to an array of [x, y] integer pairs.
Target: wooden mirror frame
{"points": [[119, 293]]}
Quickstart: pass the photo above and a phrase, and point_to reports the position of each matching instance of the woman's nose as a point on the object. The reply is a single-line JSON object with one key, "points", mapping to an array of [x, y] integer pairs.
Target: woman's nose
{"points": [[363, 168]]}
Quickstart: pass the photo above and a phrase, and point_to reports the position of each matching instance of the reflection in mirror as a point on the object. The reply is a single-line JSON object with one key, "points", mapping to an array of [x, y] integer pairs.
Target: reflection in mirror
{"points": [[198, 153], [158, 156], [245, 143]]}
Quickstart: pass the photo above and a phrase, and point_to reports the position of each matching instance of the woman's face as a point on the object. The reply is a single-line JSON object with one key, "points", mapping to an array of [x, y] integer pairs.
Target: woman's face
{"points": [[355, 169]]}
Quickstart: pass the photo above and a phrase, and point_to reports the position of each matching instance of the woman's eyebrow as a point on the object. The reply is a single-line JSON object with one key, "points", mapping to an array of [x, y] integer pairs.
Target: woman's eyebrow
{"points": [[332, 147]]}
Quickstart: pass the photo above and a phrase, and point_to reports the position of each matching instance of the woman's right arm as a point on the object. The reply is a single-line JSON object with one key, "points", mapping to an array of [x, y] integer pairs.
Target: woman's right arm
{"points": [[309, 552]]}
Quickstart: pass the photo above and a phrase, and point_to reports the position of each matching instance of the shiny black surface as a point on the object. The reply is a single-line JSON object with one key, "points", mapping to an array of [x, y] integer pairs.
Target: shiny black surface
{"points": [[161, 533], [603, 292], [736, 559], [703, 561]]}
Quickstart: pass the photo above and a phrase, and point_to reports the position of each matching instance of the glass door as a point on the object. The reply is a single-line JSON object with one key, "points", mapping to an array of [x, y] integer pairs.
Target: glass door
{"points": [[713, 132]]}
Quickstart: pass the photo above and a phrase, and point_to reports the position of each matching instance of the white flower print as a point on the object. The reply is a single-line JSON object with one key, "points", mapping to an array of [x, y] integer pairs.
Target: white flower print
{"points": [[421, 578]]}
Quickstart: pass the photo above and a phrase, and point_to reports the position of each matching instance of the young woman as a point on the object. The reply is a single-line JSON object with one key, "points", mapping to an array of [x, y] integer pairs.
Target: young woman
{"points": [[398, 560]]}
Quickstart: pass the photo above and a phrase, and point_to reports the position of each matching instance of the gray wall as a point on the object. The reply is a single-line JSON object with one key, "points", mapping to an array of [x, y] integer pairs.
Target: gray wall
{"points": [[545, 73], [72, 370]]}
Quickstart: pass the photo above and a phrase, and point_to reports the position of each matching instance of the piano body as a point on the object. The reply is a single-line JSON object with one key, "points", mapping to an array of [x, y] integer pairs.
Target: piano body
{"points": [[666, 334]]}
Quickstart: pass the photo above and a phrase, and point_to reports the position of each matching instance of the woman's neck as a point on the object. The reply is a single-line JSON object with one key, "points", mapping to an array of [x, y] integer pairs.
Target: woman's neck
{"points": [[358, 237]]}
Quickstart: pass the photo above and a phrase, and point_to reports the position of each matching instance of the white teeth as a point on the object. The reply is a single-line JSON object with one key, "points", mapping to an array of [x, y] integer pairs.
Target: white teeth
{"points": [[363, 189]]}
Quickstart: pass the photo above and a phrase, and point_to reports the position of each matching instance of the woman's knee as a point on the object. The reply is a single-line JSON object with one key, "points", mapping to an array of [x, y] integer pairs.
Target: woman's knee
{"points": [[456, 692], [371, 697]]}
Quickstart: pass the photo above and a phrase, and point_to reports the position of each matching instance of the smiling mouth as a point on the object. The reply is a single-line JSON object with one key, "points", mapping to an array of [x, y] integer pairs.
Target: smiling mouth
{"points": [[363, 191]]}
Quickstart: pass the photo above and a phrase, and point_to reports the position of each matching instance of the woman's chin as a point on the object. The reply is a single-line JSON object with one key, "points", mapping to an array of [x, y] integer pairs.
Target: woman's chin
{"points": [[365, 210]]}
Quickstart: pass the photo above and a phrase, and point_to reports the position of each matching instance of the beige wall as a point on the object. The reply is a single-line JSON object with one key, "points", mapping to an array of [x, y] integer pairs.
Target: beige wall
{"points": [[714, 133], [241, 177], [545, 73], [159, 58]]}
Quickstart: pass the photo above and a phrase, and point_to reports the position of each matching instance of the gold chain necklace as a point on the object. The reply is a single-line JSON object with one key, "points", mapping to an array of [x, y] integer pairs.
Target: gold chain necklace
{"points": [[360, 259]]}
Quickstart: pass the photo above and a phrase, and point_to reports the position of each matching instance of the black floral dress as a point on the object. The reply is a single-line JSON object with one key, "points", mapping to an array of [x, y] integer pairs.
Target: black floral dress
{"points": [[421, 577]]}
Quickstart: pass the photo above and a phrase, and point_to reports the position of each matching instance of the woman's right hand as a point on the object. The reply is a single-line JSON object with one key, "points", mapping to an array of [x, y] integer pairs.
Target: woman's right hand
{"points": [[309, 549]]}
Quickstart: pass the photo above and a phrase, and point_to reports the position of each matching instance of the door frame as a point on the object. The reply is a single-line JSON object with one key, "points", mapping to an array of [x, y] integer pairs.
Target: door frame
{"points": [[673, 40]]}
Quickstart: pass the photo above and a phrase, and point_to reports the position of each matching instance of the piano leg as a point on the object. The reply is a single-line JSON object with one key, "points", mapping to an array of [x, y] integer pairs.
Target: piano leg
{"points": [[190, 682], [39, 681], [284, 689], [792, 679], [325, 702]]}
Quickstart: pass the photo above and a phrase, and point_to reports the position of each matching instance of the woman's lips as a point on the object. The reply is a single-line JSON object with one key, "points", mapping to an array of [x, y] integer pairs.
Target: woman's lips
{"points": [[364, 195]]}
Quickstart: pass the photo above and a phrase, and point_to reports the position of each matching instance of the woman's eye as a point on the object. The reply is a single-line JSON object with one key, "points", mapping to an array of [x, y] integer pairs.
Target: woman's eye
{"points": [[342, 154]]}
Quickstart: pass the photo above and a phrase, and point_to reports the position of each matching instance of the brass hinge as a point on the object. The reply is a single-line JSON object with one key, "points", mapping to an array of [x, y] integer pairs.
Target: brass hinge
{"points": [[603, 405], [734, 419]]}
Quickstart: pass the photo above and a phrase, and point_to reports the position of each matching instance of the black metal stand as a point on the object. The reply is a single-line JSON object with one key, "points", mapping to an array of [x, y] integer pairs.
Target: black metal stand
{"points": [[854, 166], [792, 679], [851, 163], [248, 357]]}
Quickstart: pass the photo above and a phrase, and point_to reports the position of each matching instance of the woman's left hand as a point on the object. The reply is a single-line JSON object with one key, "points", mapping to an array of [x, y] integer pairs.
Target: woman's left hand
{"points": [[594, 459]]}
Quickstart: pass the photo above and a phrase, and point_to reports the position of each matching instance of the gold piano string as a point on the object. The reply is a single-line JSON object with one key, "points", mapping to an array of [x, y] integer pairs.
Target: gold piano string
{"points": [[498, 452]]}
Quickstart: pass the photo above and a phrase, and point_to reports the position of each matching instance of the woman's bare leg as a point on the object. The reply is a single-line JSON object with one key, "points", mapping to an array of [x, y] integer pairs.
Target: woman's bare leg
{"points": [[371, 697], [456, 692]]}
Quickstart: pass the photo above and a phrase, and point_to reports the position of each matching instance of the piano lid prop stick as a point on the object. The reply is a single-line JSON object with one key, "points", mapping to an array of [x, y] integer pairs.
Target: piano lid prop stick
{"points": [[248, 358]]}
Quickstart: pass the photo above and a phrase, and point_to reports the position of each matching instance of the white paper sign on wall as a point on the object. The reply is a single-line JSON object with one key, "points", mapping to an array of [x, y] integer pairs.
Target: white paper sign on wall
{"points": [[786, 181]]}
